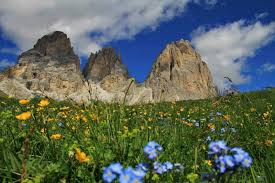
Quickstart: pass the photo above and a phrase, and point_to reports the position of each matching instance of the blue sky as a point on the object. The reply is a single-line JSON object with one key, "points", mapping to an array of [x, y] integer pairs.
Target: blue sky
{"points": [[243, 45]]}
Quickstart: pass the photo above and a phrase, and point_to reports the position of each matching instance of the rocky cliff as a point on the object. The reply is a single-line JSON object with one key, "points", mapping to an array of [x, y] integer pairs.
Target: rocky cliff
{"points": [[51, 68], [105, 67], [180, 74]]}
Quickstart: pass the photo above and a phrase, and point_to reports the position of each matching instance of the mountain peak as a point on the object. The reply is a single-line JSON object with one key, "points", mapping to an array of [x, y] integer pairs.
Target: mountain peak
{"points": [[54, 44], [103, 63]]}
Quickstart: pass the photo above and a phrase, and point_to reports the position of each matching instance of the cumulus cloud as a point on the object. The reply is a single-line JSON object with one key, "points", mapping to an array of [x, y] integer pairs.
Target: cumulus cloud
{"points": [[226, 48], [206, 2], [261, 15], [267, 67], [90, 24], [5, 63]]}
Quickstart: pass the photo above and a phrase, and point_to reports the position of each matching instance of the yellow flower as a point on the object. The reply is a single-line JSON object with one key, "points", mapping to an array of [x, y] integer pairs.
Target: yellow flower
{"points": [[95, 118], [85, 119], [81, 156], [208, 162], [56, 136], [24, 101], [87, 132], [266, 115], [24, 116], [211, 125], [227, 117], [50, 119], [189, 124], [268, 142], [43, 103], [253, 109], [42, 130]]}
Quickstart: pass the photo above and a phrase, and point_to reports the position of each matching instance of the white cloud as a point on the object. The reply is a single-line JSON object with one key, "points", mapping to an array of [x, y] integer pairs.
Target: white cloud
{"points": [[5, 63], [261, 15], [206, 2], [225, 48], [88, 23], [267, 67]]}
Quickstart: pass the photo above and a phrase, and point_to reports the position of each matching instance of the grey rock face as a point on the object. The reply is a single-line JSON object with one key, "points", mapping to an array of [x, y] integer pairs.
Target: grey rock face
{"points": [[51, 68], [104, 63], [180, 74]]}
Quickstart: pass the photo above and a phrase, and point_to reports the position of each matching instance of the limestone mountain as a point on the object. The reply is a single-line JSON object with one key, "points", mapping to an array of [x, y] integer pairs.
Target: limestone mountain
{"points": [[105, 67], [179, 74], [52, 69]]}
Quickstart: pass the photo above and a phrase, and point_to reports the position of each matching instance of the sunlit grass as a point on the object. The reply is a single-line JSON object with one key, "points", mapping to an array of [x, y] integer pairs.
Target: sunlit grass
{"points": [[62, 141]]}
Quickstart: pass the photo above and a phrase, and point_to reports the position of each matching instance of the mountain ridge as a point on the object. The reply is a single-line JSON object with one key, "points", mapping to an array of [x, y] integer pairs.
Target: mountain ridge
{"points": [[51, 68]]}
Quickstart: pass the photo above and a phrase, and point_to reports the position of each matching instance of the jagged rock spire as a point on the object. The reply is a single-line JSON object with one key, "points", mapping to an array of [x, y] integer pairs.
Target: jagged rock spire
{"points": [[103, 63]]}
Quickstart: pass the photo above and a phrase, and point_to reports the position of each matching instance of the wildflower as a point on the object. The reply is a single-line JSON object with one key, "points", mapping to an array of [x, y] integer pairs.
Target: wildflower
{"points": [[227, 117], [220, 163], [218, 114], [85, 119], [189, 124], [43, 103], [241, 157], [152, 149], [168, 165], [116, 168], [24, 101], [56, 136], [152, 153], [42, 130], [229, 161], [246, 163], [162, 168], [126, 175], [208, 138], [138, 173], [211, 126], [208, 162], [24, 116], [81, 156], [217, 147], [94, 117], [268, 142], [252, 109], [159, 168], [108, 175], [222, 130], [143, 166], [197, 124]]}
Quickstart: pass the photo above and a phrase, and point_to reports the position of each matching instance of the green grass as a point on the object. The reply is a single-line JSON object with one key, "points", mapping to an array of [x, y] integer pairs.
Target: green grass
{"points": [[115, 133]]}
